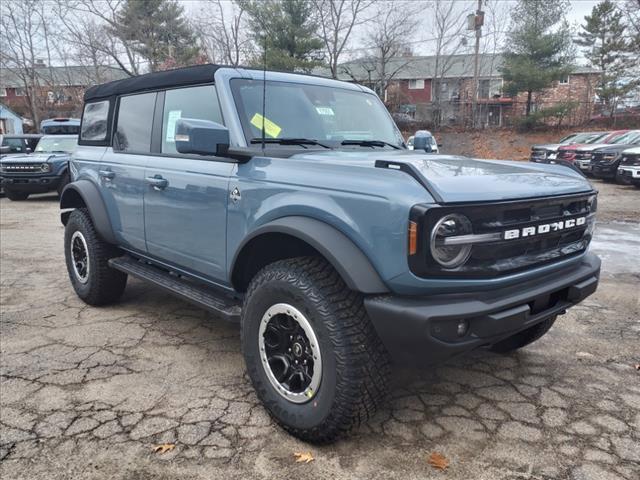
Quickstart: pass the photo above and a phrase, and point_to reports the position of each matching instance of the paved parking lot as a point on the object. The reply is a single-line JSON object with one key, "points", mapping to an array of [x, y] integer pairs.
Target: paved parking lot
{"points": [[87, 392]]}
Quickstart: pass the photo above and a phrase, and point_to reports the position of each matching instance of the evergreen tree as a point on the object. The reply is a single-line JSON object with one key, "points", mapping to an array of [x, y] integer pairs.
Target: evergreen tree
{"points": [[157, 31], [608, 48], [286, 29], [540, 49]]}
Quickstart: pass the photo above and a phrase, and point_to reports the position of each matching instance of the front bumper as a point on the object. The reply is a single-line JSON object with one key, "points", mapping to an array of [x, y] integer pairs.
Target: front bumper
{"points": [[632, 174], [31, 184], [584, 165], [604, 170], [423, 330]]}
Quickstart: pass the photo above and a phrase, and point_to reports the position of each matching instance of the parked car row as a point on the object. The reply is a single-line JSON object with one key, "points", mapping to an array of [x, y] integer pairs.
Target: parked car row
{"points": [[27, 166], [607, 155]]}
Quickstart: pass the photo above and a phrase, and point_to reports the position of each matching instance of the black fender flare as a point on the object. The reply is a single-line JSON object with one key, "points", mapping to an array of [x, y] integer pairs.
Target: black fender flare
{"points": [[345, 256], [84, 193]]}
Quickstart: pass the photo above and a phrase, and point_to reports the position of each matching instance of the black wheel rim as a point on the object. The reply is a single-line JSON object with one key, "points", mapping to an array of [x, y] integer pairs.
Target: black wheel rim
{"points": [[290, 353], [80, 257]]}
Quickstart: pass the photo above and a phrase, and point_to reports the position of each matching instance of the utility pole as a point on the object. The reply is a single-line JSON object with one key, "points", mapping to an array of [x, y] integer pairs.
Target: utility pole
{"points": [[478, 22]]}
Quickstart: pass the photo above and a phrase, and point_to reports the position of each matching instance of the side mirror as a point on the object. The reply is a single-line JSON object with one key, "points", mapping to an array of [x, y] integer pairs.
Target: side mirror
{"points": [[201, 137]]}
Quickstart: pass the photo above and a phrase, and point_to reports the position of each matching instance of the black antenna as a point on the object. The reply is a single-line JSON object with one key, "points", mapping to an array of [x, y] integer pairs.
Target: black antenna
{"points": [[264, 87]]}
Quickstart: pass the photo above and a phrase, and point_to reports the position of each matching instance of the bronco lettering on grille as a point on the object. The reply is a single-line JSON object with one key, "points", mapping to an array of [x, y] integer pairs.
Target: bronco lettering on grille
{"points": [[544, 228]]}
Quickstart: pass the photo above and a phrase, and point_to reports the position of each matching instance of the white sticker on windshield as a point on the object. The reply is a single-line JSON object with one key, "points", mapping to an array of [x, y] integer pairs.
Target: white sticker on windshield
{"points": [[325, 111], [174, 115]]}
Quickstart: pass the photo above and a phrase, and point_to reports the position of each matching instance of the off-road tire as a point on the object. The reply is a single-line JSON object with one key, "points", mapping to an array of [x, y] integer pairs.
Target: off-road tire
{"points": [[64, 181], [355, 364], [16, 196], [104, 284], [523, 338]]}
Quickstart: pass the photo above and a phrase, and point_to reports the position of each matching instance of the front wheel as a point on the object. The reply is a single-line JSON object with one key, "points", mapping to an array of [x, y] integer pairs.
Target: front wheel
{"points": [[311, 352], [523, 338], [87, 257]]}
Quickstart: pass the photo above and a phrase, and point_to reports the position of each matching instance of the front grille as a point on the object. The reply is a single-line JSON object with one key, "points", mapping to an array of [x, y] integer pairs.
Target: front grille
{"points": [[583, 155], [566, 154], [22, 167], [630, 160], [538, 154], [499, 257]]}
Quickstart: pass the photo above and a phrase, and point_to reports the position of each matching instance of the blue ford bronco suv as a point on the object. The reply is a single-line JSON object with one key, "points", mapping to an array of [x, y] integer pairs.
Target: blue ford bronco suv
{"points": [[290, 204]]}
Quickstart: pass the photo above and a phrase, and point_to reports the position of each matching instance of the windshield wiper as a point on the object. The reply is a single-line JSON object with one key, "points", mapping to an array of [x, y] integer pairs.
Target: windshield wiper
{"points": [[289, 141], [370, 143]]}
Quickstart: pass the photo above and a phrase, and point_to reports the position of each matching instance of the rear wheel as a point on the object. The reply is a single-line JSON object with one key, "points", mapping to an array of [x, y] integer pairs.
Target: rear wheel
{"points": [[87, 257], [523, 338], [16, 196], [311, 352]]}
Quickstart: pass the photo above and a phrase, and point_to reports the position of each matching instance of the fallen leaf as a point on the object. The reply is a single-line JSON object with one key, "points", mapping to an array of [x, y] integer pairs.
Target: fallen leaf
{"points": [[164, 447], [303, 457], [438, 461]]}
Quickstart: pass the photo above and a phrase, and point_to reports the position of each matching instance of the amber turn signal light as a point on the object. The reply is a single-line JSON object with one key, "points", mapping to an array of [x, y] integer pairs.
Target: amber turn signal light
{"points": [[413, 238]]}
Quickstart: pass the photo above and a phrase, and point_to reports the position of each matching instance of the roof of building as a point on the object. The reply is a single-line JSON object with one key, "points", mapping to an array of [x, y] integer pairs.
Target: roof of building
{"points": [[152, 81], [66, 76], [424, 67]]}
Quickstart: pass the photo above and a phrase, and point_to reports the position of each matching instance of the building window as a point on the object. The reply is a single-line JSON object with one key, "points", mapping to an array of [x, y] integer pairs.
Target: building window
{"points": [[20, 92], [3, 92], [416, 84], [489, 88], [564, 80]]}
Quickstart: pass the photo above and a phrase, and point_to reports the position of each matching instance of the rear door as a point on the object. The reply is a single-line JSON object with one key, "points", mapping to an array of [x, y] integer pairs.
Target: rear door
{"points": [[185, 200], [122, 169]]}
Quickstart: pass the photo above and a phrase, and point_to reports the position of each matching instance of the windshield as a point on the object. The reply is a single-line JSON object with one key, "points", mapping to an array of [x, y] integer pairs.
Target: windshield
{"points": [[56, 145], [629, 137], [302, 111], [596, 137], [568, 137]]}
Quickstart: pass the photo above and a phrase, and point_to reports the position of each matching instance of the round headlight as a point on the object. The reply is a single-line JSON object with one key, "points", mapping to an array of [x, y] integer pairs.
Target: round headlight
{"points": [[45, 167], [450, 255]]}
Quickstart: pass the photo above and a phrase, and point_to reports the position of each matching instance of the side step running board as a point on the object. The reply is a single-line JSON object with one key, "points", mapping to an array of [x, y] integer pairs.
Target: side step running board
{"points": [[218, 303]]}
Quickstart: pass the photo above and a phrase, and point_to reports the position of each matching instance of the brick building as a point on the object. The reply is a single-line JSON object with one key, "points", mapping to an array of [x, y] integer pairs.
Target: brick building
{"points": [[413, 89], [58, 91]]}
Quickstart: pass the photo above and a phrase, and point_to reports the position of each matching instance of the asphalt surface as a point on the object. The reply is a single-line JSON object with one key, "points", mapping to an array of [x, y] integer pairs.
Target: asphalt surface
{"points": [[86, 393]]}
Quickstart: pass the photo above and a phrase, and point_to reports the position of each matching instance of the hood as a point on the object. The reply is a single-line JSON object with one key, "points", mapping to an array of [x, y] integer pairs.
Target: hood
{"points": [[592, 146], [452, 179], [35, 157], [574, 146], [612, 148], [549, 146]]}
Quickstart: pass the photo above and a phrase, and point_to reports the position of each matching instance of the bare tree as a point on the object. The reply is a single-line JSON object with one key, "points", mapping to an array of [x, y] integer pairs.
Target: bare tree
{"points": [[448, 24], [222, 32], [24, 37], [337, 20], [88, 25], [388, 39]]}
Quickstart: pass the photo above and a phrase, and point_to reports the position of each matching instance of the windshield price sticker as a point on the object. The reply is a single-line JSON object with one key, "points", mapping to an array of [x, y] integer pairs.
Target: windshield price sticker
{"points": [[270, 129], [173, 117], [325, 111]]}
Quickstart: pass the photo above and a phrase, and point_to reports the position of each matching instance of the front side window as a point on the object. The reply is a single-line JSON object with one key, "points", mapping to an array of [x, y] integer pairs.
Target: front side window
{"points": [[16, 145], [94, 121], [55, 144], [194, 102], [135, 121], [304, 111]]}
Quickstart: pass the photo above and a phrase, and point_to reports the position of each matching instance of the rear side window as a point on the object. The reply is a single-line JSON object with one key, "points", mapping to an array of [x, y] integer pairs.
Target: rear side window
{"points": [[135, 121], [94, 121], [194, 102]]}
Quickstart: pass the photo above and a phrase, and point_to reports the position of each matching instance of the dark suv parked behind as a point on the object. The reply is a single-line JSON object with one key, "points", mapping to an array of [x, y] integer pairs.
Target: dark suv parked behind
{"points": [[310, 223]]}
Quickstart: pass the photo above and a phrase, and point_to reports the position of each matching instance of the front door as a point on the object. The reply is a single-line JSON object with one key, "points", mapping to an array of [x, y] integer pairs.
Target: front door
{"points": [[185, 200], [122, 169]]}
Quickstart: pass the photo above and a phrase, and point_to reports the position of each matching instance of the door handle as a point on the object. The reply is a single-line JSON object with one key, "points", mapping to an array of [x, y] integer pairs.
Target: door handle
{"points": [[106, 174], [157, 182]]}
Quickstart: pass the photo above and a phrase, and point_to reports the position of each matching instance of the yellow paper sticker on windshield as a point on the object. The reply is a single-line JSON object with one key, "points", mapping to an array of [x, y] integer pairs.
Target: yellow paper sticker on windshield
{"points": [[270, 129]]}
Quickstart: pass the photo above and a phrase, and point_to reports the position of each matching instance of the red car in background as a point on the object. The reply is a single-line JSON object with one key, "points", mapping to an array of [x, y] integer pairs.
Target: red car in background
{"points": [[567, 153]]}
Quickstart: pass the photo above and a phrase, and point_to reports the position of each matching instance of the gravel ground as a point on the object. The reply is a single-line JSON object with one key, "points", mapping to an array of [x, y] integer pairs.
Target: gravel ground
{"points": [[87, 392]]}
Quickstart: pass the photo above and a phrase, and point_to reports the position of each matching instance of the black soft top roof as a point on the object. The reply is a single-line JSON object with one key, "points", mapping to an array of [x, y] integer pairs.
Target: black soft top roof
{"points": [[153, 81]]}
